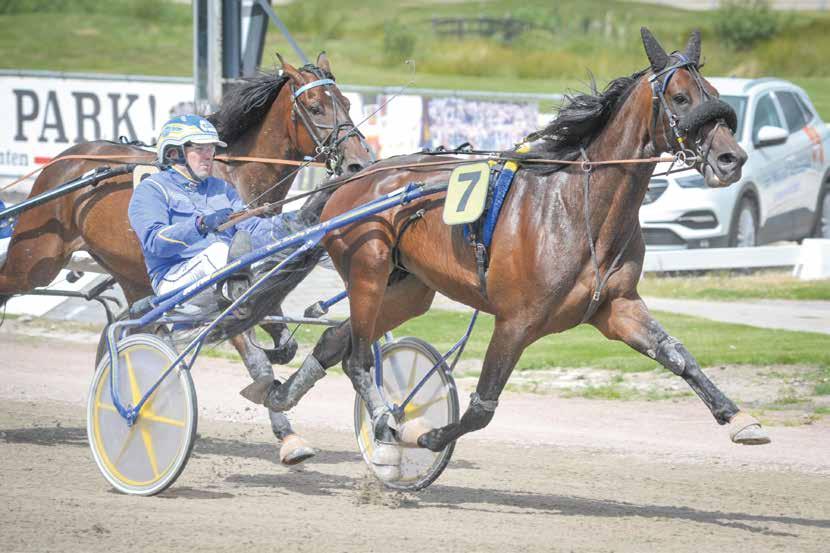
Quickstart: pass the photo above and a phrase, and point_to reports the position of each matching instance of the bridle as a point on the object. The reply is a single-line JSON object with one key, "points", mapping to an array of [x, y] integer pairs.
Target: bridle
{"points": [[709, 109], [327, 143]]}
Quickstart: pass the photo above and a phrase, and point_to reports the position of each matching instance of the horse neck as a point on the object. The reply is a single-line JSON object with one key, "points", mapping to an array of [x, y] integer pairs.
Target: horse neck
{"points": [[270, 138], [617, 191]]}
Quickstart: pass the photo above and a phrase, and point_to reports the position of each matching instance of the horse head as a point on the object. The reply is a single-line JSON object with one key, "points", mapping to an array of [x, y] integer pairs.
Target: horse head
{"points": [[687, 114], [323, 113]]}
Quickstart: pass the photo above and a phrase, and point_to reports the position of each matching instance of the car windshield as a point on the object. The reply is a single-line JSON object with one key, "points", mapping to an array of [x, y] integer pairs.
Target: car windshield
{"points": [[738, 103]]}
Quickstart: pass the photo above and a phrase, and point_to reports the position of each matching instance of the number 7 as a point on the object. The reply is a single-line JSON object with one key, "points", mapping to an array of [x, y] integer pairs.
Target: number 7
{"points": [[473, 178]]}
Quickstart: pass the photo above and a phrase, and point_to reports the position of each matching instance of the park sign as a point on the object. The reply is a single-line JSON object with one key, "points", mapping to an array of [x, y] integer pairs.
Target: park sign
{"points": [[46, 113]]}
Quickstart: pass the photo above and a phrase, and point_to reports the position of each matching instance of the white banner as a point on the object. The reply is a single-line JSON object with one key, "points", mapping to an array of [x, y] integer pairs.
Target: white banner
{"points": [[46, 115]]}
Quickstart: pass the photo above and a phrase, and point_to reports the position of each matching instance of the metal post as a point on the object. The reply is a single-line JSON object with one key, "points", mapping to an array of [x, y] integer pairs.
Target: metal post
{"points": [[266, 7], [255, 40], [200, 41], [231, 38], [207, 54]]}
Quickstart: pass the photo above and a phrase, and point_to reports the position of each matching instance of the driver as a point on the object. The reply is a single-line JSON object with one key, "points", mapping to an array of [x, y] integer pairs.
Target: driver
{"points": [[177, 212]]}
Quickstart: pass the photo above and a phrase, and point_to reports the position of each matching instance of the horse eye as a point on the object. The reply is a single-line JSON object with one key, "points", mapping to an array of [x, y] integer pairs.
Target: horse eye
{"points": [[315, 108], [680, 99]]}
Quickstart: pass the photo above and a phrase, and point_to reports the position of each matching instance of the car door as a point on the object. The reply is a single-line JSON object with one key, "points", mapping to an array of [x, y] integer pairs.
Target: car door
{"points": [[770, 175], [798, 198]]}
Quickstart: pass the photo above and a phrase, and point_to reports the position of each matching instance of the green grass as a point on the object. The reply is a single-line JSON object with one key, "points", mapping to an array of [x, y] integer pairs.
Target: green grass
{"points": [[712, 343], [727, 286], [571, 38]]}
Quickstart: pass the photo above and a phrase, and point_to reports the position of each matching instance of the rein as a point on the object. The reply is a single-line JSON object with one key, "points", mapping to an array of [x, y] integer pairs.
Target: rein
{"points": [[104, 157], [239, 216]]}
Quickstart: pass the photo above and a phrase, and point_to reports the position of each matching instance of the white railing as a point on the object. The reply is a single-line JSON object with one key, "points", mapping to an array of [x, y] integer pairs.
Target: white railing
{"points": [[810, 260]]}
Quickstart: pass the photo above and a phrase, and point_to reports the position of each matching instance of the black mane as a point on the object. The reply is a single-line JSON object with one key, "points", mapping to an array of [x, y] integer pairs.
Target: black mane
{"points": [[246, 104], [581, 118]]}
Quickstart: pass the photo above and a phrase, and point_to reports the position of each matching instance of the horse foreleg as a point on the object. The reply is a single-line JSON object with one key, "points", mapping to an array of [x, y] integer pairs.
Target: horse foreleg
{"points": [[329, 350], [294, 449], [503, 353], [628, 320]]}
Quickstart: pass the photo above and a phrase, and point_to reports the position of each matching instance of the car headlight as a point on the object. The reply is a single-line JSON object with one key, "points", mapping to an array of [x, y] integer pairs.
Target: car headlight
{"points": [[692, 181]]}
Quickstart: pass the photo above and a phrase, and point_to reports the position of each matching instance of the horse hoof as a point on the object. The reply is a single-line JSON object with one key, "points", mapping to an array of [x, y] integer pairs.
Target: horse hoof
{"points": [[386, 462], [410, 431], [283, 354], [257, 391], [295, 450], [431, 442], [745, 429]]}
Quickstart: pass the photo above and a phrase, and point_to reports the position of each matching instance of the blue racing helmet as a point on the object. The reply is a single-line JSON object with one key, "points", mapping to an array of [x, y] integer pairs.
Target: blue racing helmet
{"points": [[184, 129]]}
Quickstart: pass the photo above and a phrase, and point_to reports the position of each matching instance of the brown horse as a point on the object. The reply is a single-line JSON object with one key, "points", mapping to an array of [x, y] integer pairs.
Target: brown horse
{"points": [[260, 118], [542, 273]]}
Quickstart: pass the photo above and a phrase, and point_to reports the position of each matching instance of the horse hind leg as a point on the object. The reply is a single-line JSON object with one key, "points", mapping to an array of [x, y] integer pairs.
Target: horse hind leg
{"points": [[294, 448], [31, 262], [629, 320]]}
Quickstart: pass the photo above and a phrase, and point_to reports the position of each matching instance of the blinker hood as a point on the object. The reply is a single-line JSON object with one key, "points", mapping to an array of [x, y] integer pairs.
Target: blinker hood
{"points": [[710, 110]]}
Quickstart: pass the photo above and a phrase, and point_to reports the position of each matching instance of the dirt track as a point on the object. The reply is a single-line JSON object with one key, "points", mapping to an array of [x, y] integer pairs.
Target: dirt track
{"points": [[549, 474]]}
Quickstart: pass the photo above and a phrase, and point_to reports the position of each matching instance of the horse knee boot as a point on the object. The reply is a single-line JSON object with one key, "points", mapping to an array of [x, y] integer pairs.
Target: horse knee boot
{"points": [[282, 397]]}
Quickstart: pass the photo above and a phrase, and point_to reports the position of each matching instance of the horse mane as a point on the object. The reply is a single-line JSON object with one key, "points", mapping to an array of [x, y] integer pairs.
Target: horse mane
{"points": [[245, 105], [580, 119]]}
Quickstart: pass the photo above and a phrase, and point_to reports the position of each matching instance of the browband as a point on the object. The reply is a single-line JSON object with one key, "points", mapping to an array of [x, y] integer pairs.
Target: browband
{"points": [[311, 85]]}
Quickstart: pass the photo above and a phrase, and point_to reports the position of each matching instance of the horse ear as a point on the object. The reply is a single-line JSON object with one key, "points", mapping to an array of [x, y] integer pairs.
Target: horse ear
{"points": [[289, 69], [656, 55], [693, 48], [323, 62]]}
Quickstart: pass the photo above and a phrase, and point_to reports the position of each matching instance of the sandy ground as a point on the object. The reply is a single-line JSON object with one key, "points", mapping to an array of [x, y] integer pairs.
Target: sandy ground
{"points": [[549, 474]]}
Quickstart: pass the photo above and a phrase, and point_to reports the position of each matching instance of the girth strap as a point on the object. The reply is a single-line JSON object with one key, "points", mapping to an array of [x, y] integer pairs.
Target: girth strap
{"points": [[396, 253]]}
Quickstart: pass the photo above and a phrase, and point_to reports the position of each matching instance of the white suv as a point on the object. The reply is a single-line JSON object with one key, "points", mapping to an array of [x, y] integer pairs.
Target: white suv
{"points": [[784, 193]]}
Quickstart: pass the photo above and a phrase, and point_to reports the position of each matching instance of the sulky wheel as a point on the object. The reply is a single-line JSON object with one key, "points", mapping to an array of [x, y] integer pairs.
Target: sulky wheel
{"points": [[147, 457], [405, 362]]}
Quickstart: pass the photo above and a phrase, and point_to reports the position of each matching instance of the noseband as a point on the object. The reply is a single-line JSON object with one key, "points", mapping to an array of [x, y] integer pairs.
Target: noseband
{"points": [[328, 144], [687, 127]]}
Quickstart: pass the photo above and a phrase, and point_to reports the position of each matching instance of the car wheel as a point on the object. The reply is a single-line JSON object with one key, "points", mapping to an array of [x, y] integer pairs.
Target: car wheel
{"points": [[744, 231], [822, 229]]}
